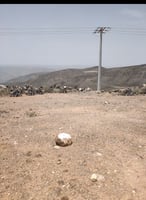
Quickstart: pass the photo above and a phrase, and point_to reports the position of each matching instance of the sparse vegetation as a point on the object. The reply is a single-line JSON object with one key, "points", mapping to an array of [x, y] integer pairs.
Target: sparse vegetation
{"points": [[143, 90], [31, 113], [4, 92]]}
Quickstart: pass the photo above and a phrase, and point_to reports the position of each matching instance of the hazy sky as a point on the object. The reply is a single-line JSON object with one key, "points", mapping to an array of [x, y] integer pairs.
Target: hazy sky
{"points": [[62, 34]]}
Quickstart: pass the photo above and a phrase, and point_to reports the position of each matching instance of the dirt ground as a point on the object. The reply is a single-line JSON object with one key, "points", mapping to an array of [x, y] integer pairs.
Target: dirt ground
{"points": [[109, 139]]}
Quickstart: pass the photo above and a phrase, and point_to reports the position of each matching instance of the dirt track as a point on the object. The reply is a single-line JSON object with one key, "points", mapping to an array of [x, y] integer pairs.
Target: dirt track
{"points": [[109, 138]]}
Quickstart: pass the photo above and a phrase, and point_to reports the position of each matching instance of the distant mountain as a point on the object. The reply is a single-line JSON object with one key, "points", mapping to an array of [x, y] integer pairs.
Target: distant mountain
{"points": [[87, 77], [11, 72]]}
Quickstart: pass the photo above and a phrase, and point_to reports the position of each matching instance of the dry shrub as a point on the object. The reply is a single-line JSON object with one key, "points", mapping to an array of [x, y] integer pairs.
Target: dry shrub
{"points": [[31, 113]]}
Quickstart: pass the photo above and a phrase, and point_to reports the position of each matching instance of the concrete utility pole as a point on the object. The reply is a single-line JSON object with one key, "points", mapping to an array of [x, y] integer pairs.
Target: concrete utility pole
{"points": [[100, 30]]}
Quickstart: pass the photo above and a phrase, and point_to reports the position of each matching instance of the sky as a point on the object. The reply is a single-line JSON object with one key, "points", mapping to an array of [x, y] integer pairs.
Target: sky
{"points": [[62, 34]]}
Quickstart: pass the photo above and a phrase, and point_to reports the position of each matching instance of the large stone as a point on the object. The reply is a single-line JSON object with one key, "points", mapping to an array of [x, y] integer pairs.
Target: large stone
{"points": [[63, 139]]}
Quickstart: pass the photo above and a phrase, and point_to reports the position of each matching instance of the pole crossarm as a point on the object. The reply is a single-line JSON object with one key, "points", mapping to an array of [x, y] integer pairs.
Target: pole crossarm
{"points": [[102, 29]]}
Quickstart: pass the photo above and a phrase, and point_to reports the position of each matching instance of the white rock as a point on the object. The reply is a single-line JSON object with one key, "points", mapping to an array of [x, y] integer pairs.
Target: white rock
{"points": [[106, 102], [93, 177], [63, 139], [15, 142], [133, 191], [97, 177], [98, 154], [56, 147]]}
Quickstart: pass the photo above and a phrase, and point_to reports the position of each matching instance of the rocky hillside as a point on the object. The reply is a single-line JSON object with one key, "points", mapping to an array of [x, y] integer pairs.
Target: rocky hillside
{"points": [[110, 77]]}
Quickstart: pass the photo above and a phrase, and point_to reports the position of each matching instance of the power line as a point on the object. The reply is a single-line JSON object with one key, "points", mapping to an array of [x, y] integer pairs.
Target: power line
{"points": [[73, 27], [66, 29]]}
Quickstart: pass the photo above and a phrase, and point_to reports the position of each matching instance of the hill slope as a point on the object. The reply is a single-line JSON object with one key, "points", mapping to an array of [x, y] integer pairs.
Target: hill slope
{"points": [[11, 72], [87, 77]]}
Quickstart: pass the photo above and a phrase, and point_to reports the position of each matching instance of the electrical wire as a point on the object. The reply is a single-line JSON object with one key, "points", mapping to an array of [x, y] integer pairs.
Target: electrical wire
{"points": [[4, 31]]}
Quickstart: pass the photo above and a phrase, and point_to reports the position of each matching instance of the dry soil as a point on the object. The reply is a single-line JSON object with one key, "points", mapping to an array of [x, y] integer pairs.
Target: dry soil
{"points": [[109, 139]]}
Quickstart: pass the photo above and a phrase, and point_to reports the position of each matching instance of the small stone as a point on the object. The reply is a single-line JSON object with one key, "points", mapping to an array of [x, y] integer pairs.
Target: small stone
{"points": [[28, 153], [56, 147], [93, 177], [15, 142], [61, 182], [134, 191], [106, 102], [98, 154], [97, 177], [59, 162], [38, 155]]}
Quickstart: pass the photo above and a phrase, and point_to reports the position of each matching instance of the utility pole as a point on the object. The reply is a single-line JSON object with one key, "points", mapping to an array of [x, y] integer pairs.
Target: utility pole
{"points": [[100, 30]]}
